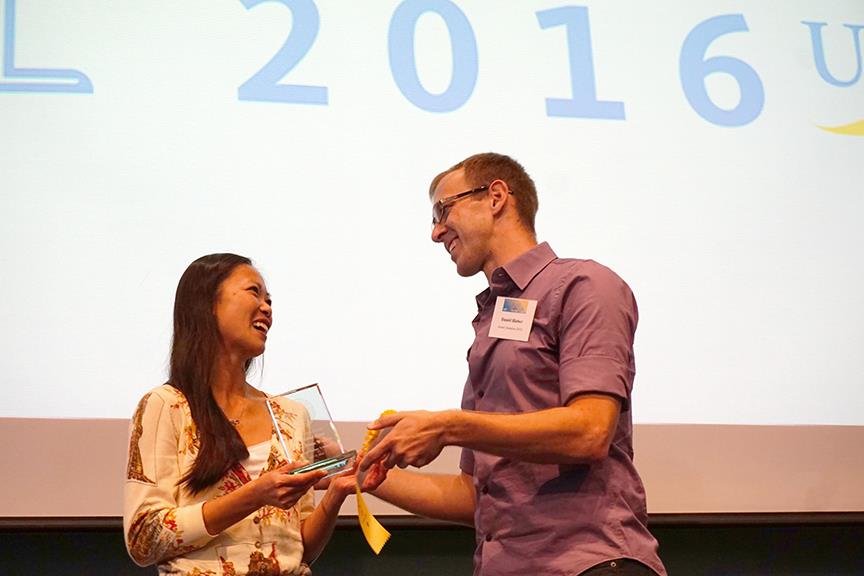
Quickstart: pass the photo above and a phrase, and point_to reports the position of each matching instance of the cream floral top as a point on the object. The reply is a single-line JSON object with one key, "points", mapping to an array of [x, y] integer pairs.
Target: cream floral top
{"points": [[164, 524]]}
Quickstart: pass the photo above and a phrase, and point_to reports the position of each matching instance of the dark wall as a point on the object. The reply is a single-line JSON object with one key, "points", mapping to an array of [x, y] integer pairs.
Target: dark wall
{"points": [[775, 550]]}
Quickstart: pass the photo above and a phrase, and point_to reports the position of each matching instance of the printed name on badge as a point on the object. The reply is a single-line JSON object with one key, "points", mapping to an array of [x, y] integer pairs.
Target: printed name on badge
{"points": [[512, 318]]}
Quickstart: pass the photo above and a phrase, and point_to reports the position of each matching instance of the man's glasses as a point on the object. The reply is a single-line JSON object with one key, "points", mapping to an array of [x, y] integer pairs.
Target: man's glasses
{"points": [[442, 207]]}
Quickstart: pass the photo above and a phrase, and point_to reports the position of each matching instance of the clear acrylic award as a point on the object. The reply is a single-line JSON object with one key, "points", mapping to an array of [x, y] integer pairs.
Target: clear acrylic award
{"points": [[315, 438]]}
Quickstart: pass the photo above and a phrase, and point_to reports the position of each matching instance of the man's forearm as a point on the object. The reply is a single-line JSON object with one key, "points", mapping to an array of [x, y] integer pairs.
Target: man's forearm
{"points": [[448, 497], [575, 434]]}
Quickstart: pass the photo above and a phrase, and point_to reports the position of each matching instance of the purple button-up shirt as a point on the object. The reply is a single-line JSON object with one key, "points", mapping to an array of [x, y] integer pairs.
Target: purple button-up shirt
{"points": [[549, 518]]}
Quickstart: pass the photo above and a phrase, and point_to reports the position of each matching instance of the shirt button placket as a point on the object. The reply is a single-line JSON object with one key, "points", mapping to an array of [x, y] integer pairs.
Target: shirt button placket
{"points": [[487, 523], [257, 521]]}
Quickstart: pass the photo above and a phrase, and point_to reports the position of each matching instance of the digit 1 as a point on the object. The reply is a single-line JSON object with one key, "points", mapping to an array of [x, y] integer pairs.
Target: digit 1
{"points": [[583, 103]]}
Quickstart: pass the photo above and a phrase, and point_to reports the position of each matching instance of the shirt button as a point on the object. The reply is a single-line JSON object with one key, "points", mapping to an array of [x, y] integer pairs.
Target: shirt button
{"points": [[257, 544], [488, 537], [256, 520], [485, 489], [480, 394]]}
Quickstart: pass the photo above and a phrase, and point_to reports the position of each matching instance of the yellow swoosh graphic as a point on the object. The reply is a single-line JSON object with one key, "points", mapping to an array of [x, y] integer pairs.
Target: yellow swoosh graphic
{"points": [[853, 129]]}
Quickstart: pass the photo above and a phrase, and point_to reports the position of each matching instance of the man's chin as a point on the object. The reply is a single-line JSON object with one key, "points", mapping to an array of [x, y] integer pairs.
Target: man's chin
{"points": [[466, 271]]}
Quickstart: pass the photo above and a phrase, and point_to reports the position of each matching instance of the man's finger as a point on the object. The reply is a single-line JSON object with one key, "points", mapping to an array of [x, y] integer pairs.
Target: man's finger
{"points": [[391, 461], [386, 421], [375, 454]]}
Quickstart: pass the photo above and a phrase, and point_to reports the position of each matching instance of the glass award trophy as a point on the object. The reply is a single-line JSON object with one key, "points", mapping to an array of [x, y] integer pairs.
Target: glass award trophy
{"points": [[315, 438]]}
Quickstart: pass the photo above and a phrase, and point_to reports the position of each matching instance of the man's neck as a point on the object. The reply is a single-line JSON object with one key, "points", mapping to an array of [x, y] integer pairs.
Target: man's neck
{"points": [[507, 248]]}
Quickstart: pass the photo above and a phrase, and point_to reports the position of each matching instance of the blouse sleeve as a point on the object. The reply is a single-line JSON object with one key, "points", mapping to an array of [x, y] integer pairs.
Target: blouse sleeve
{"points": [[155, 526]]}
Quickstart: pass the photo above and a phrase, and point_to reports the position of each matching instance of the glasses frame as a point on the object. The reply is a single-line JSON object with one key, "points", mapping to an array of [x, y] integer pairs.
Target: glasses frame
{"points": [[439, 208]]}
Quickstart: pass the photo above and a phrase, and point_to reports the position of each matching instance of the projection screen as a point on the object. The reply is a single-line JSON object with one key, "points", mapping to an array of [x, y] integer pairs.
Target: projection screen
{"points": [[710, 153]]}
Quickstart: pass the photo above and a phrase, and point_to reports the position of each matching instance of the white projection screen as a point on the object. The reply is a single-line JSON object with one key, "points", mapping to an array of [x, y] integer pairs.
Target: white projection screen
{"points": [[711, 153]]}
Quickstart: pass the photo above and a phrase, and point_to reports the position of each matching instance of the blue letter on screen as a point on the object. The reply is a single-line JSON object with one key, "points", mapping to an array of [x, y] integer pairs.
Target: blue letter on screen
{"points": [[819, 53], [404, 66], [81, 83], [694, 68], [264, 85], [583, 103]]}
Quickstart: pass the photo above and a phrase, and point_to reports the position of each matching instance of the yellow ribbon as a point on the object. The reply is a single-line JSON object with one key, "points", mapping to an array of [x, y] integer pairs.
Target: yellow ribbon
{"points": [[376, 535]]}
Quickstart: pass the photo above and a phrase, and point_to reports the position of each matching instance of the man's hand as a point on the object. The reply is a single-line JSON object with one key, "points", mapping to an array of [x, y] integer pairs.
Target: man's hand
{"points": [[416, 439]]}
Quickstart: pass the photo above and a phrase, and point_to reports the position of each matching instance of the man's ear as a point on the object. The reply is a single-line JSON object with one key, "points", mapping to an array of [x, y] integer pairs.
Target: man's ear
{"points": [[499, 194]]}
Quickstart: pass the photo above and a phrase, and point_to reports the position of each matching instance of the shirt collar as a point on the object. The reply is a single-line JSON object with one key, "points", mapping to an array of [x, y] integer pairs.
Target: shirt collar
{"points": [[522, 269], [525, 267]]}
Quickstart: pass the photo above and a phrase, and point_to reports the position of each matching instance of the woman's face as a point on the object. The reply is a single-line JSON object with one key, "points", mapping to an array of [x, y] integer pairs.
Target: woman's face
{"points": [[243, 312]]}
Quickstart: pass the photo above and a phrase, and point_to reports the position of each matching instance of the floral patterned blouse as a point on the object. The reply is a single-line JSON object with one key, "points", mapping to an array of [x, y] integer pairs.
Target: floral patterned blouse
{"points": [[164, 524]]}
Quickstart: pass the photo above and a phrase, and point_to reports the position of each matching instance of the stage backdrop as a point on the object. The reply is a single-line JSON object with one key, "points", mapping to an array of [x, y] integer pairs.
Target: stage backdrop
{"points": [[711, 153]]}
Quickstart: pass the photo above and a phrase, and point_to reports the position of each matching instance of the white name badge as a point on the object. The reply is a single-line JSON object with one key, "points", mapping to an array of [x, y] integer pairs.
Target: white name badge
{"points": [[512, 318]]}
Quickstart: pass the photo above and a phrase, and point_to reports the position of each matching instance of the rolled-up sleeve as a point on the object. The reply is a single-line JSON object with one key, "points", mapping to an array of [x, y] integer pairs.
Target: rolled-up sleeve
{"points": [[598, 324]]}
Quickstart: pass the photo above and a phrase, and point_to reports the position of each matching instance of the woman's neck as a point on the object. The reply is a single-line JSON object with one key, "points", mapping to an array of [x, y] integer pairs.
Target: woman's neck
{"points": [[229, 378]]}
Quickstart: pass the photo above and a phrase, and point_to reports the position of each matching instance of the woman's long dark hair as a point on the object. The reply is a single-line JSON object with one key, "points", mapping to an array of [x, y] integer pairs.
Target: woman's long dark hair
{"points": [[193, 355]]}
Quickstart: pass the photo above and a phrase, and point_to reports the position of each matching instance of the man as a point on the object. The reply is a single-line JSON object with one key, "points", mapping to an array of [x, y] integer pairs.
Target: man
{"points": [[547, 477]]}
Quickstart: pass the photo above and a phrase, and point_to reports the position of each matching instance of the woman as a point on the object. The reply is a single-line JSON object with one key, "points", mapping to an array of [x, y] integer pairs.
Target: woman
{"points": [[208, 489]]}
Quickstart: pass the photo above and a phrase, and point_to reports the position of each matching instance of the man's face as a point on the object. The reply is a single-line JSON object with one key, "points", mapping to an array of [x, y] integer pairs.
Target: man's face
{"points": [[466, 226]]}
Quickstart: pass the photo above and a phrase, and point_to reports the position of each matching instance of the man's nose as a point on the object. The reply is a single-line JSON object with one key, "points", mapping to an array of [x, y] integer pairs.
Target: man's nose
{"points": [[438, 231]]}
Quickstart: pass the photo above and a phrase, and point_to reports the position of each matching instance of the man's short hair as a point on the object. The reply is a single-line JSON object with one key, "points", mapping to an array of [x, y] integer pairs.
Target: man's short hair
{"points": [[482, 169]]}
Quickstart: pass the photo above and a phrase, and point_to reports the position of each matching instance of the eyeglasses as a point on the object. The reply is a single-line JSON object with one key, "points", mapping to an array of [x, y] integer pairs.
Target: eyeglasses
{"points": [[441, 207]]}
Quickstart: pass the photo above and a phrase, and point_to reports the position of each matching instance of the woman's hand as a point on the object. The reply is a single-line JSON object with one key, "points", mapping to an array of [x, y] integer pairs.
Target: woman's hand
{"points": [[281, 489], [371, 478], [344, 484], [275, 488]]}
